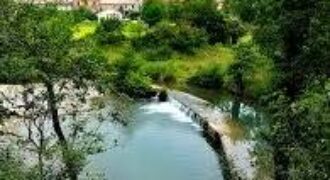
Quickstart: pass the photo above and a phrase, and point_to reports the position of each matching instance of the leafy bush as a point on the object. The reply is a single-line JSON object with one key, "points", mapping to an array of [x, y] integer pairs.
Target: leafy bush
{"points": [[108, 31], [200, 14], [82, 14], [128, 78], [205, 15], [155, 37], [133, 29], [234, 29], [252, 73], [10, 167], [110, 25], [181, 38], [219, 26], [210, 77], [186, 39], [161, 72], [175, 11], [17, 70], [137, 85], [110, 37], [153, 11], [84, 29]]}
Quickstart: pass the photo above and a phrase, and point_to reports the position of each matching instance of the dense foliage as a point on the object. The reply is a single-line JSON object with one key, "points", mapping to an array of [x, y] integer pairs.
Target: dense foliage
{"points": [[83, 14], [181, 38], [37, 46], [108, 32], [245, 78], [128, 78], [153, 11], [295, 35], [209, 77], [274, 53], [202, 14]]}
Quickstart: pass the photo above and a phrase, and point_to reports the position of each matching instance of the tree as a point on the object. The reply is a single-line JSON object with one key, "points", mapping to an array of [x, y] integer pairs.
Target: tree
{"points": [[108, 32], [42, 38], [204, 14], [82, 14], [298, 134], [293, 34], [291, 38], [127, 78], [153, 11], [169, 36]]}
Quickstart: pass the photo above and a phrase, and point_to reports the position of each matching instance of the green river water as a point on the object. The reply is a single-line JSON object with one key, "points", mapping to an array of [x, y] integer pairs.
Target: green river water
{"points": [[161, 143]]}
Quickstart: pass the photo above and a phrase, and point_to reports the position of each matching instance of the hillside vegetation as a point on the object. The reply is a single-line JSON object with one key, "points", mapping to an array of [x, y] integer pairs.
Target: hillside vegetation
{"points": [[271, 54]]}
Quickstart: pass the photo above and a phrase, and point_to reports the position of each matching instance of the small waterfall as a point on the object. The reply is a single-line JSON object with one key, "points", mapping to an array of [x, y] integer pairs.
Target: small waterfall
{"points": [[190, 113]]}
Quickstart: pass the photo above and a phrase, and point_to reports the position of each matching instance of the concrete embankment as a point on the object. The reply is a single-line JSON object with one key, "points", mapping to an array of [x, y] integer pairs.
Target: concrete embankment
{"points": [[216, 125]]}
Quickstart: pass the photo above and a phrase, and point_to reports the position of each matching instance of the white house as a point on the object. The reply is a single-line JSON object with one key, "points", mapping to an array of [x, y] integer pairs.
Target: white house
{"points": [[118, 8], [103, 8], [121, 5], [106, 14]]}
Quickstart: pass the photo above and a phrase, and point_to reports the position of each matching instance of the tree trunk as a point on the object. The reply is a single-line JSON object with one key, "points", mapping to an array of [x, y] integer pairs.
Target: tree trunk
{"points": [[239, 92], [281, 165], [40, 154], [235, 110], [52, 104]]}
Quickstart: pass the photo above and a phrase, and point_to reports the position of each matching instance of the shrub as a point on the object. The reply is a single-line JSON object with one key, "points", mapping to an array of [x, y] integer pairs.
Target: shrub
{"points": [[153, 11], [186, 39], [175, 11], [147, 41], [234, 29], [110, 25], [82, 14], [208, 78], [133, 29], [161, 72], [159, 35], [181, 38], [110, 38], [219, 26], [128, 78], [252, 73], [108, 31]]}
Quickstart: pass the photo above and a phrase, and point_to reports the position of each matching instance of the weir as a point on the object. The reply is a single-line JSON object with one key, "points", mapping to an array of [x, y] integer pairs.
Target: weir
{"points": [[215, 126]]}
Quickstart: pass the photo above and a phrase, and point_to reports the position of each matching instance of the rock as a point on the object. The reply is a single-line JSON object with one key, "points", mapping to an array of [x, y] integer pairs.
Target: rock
{"points": [[162, 96]]}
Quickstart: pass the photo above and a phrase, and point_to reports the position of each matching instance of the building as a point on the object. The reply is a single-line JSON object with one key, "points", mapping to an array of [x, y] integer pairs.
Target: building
{"points": [[93, 5], [120, 5], [118, 8], [103, 8], [107, 14]]}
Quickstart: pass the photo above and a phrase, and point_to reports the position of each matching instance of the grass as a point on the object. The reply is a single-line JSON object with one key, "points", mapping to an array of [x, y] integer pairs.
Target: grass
{"points": [[84, 29], [184, 66], [180, 67], [115, 51], [207, 56]]}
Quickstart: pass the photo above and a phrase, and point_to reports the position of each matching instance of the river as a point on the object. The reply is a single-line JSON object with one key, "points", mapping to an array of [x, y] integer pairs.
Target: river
{"points": [[161, 143]]}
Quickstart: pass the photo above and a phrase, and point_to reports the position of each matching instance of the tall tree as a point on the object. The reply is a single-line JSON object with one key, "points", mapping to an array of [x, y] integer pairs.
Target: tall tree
{"points": [[295, 34], [40, 40]]}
